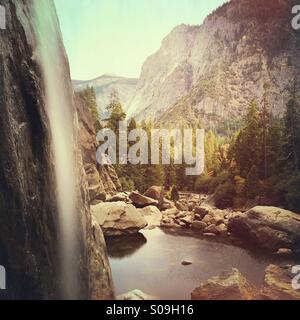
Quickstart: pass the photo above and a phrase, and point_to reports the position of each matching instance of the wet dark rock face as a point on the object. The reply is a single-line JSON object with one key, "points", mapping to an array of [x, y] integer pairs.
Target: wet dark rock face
{"points": [[29, 239], [28, 214]]}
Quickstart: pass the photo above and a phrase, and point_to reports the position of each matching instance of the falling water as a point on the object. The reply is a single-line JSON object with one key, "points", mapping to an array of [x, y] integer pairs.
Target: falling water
{"points": [[59, 106]]}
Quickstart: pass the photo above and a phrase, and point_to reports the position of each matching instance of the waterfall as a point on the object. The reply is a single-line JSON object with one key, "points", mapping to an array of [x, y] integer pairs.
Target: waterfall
{"points": [[59, 107]]}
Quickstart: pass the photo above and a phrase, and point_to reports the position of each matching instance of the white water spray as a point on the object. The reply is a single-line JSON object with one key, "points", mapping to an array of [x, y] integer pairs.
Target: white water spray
{"points": [[59, 107]]}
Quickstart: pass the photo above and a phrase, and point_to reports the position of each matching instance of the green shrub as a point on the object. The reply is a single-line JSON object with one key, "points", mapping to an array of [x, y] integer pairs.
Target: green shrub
{"points": [[253, 184], [224, 195], [202, 183], [218, 180], [240, 196], [287, 191]]}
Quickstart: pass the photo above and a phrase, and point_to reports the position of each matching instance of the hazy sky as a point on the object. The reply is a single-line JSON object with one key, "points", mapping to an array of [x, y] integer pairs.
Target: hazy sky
{"points": [[116, 36]]}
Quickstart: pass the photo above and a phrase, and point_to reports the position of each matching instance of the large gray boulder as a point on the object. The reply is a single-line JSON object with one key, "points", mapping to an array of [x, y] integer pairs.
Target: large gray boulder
{"points": [[118, 218], [270, 228]]}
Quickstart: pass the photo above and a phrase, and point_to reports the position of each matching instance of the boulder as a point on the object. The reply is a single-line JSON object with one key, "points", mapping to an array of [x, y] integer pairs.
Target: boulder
{"points": [[141, 201], [136, 295], [217, 220], [182, 206], [171, 212], [168, 223], [199, 225], [228, 286], [118, 218], [212, 229], [186, 262], [166, 220], [167, 204], [270, 228], [198, 217], [222, 229], [152, 215], [278, 283], [181, 214], [209, 235], [122, 196], [188, 219], [207, 219], [201, 211], [153, 192]]}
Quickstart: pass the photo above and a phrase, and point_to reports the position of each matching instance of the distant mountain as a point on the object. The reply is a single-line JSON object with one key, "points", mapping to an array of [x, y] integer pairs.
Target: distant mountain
{"points": [[210, 72], [105, 85]]}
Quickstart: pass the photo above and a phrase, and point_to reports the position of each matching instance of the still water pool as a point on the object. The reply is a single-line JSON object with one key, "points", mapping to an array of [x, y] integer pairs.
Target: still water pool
{"points": [[151, 262]]}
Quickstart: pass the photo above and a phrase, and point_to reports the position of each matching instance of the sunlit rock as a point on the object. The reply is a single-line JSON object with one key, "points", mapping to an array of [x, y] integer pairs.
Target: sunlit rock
{"points": [[118, 218], [269, 228], [228, 286]]}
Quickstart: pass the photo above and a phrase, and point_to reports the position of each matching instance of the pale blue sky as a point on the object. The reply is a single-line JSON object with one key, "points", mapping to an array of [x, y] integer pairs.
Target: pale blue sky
{"points": [[116, 36]]}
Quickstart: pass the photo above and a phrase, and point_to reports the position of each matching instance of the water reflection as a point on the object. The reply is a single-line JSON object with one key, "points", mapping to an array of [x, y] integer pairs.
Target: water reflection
{"points": [[121, 247], [154, 265]]}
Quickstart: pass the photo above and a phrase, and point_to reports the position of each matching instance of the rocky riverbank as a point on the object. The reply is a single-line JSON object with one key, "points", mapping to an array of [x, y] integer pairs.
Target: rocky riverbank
{"points": [[272, 229], [268, 229]]}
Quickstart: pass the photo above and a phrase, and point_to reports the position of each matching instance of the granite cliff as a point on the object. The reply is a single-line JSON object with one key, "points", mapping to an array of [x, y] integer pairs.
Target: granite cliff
{"points": [[210, 72]]}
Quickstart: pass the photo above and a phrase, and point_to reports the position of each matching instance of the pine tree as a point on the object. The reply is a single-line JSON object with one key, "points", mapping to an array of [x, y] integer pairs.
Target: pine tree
{"points": [[117, 113], [247, 149], [292, 133], [89, 96], [275, 146], [265, 125], [211, 152], [174, 194]]}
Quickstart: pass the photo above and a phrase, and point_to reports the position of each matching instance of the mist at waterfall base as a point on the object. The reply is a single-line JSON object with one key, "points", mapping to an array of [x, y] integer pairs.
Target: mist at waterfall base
{"points": [[59, 107]]}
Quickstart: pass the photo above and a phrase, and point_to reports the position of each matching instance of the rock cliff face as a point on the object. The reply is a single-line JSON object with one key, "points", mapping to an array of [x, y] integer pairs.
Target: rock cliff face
{"points": [[102, 180], [210, 72], [29, 238]]}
